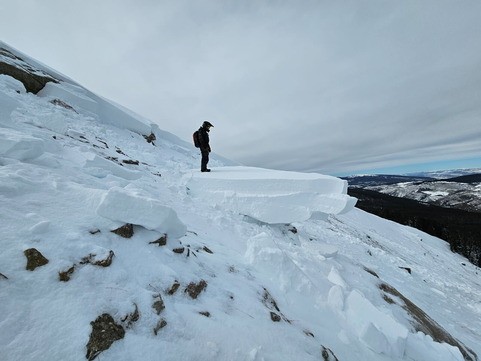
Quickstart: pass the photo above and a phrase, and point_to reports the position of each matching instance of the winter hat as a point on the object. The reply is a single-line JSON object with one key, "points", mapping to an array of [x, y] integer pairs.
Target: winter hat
{"points": [[207, 124]]}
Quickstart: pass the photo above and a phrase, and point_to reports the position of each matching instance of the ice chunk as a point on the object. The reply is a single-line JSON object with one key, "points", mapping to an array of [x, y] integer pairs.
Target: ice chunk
{"points": [[19, 146], [379, 330], [128, 207]]}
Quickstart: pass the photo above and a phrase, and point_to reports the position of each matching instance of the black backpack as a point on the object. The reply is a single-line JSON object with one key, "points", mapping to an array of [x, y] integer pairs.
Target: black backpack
{"points": [[195, 137]]}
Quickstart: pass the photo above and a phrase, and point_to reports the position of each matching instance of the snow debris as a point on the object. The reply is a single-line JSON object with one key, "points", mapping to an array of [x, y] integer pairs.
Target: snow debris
{"points": [[19, 146]]}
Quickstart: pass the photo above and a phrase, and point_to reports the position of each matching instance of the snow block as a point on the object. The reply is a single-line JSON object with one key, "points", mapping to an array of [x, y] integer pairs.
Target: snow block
{"points": [[271, 196], [19, 146], [376, 329], [128, 207]]}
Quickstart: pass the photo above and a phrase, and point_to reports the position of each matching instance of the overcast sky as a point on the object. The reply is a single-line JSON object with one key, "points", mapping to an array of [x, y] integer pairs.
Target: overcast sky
{"points": [[337, 87]]}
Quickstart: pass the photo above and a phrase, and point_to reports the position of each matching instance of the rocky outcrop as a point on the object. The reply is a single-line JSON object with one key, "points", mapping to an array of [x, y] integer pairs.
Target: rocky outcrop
{"points": [[423, 323], [33, 79]]}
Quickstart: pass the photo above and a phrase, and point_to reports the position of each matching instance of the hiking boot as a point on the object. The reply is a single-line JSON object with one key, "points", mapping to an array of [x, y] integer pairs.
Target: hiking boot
{"points": [[205, 170]]}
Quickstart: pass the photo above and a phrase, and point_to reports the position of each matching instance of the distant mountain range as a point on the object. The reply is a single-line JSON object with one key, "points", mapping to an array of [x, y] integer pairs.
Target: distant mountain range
{"points": [[461, 191], [447, 208]]}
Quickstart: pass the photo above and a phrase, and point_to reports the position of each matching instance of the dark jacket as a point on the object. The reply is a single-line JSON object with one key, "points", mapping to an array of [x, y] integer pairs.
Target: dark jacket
{"points": [[204, 139]]}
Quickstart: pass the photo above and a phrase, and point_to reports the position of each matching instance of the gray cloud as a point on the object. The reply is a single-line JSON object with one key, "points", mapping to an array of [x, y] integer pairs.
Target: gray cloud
{"points": [[305, 85]]}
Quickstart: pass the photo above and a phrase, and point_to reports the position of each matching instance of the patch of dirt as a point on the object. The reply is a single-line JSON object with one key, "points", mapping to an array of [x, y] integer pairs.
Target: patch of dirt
{"points": [[34, 259]]}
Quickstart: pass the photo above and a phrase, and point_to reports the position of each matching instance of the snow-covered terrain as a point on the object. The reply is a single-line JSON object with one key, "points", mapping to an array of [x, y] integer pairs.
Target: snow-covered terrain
{"points": [[238, 264], [466, 196]]}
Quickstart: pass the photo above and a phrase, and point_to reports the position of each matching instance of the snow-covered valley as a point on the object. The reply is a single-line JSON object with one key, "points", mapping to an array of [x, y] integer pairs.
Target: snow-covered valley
{"points": [[116, 247]]}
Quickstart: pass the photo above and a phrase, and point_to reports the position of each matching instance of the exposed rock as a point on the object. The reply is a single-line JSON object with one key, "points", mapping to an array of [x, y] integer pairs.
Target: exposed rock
{"points": [[150, 138], [62, 104], [269, 301], [207, 250], [34, 259], [308, 333], [130, 161], [205, 313], [293, 229], [161, 324], [371, 272], [194, 289], [275, 317], [327, 354], [126, 231], [104, 333], [173, 289], [65, 275], [158, 304], [132, 317], [106, 262], [23, 72], [271, 304], [425, 324], [406, 269], [2, 276], [94, 231], [162, 241], [179, 250]]}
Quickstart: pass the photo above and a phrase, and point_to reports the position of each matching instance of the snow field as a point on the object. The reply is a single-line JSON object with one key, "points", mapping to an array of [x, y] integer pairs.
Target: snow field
{"points": [[319, 274]]}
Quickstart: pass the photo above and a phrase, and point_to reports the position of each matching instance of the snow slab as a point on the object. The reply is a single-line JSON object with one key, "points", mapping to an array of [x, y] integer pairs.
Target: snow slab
{"points": [[271, 196], [129, 206]]}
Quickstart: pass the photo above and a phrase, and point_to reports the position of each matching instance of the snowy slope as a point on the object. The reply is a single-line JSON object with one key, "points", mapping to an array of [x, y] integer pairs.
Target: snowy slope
{"points": [[208, 273]]}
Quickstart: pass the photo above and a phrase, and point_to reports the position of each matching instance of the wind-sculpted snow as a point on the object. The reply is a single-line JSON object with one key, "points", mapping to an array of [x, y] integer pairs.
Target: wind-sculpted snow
{"points": [[272, 196]]}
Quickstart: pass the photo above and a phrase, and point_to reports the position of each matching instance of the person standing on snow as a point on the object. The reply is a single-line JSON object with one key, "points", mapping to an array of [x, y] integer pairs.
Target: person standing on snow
{"points": [[204, 145]]}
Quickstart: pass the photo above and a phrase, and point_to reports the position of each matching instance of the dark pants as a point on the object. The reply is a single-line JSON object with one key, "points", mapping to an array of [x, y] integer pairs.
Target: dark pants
{"points": [[205, 159]]}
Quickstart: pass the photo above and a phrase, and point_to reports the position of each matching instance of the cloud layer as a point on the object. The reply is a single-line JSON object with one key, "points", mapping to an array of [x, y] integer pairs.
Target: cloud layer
{"points": [[308, 85]]}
